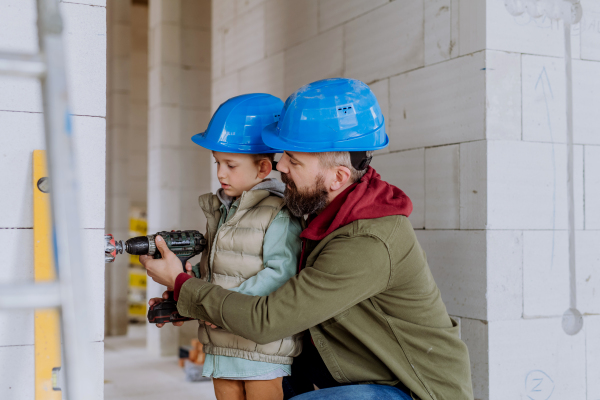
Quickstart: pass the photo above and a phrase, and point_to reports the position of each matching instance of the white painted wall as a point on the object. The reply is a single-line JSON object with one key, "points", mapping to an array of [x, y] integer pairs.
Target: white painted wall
{"points": [[474, 105], [21, 132]]}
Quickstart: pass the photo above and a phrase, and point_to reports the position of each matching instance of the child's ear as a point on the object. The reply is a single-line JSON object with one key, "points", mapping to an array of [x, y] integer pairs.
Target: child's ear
{"points": [[264, 168]]}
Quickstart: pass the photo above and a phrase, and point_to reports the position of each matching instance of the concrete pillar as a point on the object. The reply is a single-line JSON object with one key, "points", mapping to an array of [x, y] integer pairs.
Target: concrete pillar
{"points": [[179, 100], [117, 132]]}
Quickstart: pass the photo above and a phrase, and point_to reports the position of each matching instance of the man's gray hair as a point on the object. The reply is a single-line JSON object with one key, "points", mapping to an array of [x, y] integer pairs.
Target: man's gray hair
{"points": [[341, 158]]}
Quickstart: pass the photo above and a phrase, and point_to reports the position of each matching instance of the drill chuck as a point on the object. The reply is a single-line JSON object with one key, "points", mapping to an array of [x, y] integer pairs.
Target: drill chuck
{"points": [[140, 245]]}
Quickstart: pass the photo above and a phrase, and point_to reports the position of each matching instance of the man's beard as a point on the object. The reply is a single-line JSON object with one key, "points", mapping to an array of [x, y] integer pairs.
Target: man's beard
{"points": [[305, 202]]}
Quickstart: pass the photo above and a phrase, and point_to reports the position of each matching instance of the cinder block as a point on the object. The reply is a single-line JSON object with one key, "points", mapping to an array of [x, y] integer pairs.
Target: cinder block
{"points": [[471, 22], [266, 76], [440, 104], [192, 122], [164, 128], [524, 34], [17, 380], [243, 6], [504, 275], [169, 44], [101, 3], [406, 170], [454, 27], [222, 12], [165, 12], [588, 265], [544, 99], [335, 12], [138, 117], [289, 23], [93, 242], [474, 333], [381, 90], [96, 352], [439, 43], [120, 12], [26, 134], [442, 187], [195, 88], [164, 168], [196, 169], [545, 273], [165, 86], [317, 58], [20, 94], [196, 49], [217, 52], [592, 187], [527, 185], [192, 216], [120, 69], [591, 326], [85, 47], [162, 212], [91, 160], [586, 101], [590, 35], [458, 262], [392, 35], [535, 359], [245, 40], [503, 95], [473, 185], [223, 89], [119, 40], [18, 30], [196, 14], [17, 268]]}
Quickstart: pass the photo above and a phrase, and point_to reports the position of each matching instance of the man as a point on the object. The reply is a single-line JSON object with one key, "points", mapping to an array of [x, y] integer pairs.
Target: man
{"points": [[364, 295]]}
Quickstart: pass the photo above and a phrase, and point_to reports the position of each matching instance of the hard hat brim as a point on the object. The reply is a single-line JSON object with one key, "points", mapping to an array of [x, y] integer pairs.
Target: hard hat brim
{"points": [[200, 139], [271, 138]]}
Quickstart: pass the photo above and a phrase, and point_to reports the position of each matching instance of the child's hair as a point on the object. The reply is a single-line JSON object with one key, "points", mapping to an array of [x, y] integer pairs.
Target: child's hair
{"points": [[268, 156]]}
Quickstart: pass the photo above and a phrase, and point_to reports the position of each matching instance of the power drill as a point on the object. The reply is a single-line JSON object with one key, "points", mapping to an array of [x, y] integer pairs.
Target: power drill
{"points": [[185, 245]]}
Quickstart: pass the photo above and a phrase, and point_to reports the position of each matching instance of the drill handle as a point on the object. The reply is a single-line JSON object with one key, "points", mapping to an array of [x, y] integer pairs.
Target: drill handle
{"points": [[183, 261]]}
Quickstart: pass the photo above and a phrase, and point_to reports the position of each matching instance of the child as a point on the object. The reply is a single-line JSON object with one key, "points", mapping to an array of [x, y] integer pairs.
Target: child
{"points": [[253, 246]]}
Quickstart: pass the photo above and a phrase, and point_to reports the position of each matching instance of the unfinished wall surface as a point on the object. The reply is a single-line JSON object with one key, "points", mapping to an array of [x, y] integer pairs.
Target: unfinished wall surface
{"points": [[474, 104], [22, 131], [179, 107]]}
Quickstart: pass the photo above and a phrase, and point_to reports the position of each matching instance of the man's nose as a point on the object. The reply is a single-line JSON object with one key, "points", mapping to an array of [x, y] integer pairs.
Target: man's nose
{"points": [[282, 164]]}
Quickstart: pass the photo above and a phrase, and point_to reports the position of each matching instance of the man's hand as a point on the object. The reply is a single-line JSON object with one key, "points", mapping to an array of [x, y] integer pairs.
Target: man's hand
{"points": [[156, 300], [163, 270], [165, 295]]}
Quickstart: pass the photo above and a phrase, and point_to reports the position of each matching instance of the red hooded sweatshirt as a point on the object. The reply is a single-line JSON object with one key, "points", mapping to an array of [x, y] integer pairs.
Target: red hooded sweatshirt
{"points": [[367, 199]]}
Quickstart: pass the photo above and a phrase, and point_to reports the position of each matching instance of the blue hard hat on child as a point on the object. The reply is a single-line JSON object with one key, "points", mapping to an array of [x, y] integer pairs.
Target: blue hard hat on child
{"points": [[237, 124], [329, 115]]}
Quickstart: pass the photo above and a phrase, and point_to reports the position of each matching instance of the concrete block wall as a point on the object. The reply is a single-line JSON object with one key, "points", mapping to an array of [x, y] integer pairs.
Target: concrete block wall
{"points": [[21, 122], [474, 106], [179, 107]]}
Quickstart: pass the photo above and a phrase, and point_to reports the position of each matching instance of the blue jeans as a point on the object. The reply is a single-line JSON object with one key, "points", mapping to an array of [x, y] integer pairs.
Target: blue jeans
{"points": [[356, 392]]}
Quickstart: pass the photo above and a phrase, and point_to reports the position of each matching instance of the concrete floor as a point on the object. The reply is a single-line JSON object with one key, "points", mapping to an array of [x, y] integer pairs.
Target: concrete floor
{"points": [[131, 373]]}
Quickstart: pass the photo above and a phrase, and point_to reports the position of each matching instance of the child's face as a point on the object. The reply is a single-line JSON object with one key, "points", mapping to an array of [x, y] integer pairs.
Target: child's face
{"points": [[238, 173]]}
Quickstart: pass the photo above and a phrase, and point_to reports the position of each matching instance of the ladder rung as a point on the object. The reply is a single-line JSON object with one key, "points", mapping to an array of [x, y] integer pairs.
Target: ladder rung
{"points": [[30, 295], [20, 64]]}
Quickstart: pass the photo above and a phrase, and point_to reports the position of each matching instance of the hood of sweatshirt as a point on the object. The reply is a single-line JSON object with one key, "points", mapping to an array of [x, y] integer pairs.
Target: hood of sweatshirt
{"points": [[271, 185], [367, 199]]}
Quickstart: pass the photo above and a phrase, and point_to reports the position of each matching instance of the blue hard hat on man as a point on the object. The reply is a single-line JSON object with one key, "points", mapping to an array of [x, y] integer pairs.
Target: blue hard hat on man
{"points": [[237, 124], [330, 115]]}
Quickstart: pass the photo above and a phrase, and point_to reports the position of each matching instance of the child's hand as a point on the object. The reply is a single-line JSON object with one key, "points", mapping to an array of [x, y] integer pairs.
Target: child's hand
{"points": [[163, 270]]}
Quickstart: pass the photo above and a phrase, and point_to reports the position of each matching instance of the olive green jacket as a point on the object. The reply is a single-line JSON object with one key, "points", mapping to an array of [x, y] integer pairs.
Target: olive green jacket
{"points": [[373, 309]]}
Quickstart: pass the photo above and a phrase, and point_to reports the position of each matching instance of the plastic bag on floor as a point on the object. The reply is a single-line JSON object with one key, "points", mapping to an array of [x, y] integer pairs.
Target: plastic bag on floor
{"points": [[193, 372]]}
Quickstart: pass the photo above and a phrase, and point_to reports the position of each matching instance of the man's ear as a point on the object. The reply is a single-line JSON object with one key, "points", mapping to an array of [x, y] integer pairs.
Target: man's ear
{"points": [[341, 177], [264, 168]]}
